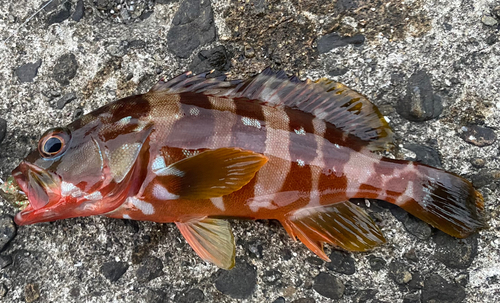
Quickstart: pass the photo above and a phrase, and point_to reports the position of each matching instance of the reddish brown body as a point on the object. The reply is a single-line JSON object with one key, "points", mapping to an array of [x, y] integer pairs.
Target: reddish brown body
{"points": [[194, 151]]}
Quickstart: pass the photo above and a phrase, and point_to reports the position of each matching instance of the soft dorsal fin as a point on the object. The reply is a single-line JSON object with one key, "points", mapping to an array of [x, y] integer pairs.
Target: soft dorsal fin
{"points": [[342, 224], [209, 174], [325, 99], [211, 239]]}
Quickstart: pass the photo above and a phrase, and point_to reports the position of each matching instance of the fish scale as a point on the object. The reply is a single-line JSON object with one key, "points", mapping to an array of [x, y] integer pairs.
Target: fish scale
{"points": [[197, 151]]}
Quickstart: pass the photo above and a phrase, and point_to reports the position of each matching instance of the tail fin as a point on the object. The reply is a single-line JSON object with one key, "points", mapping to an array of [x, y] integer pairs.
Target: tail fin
{"points": [[447, 202]]}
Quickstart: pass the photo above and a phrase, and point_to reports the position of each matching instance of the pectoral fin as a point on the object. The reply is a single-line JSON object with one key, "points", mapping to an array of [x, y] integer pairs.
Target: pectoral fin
{"points": [[342, 224], [211, 239], [210, 174]]}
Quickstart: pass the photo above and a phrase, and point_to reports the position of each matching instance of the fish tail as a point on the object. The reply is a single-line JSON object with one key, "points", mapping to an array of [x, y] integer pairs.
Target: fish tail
{"points": [[445, 201]]}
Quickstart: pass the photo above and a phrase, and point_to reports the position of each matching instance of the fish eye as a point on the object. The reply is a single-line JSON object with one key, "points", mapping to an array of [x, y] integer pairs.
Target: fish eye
{"points": [[54, 142]]}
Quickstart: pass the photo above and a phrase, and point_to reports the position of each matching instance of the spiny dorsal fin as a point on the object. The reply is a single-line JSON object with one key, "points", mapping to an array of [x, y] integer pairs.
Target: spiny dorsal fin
{"points": [[342, 224], [324, 98], [211, 239]]}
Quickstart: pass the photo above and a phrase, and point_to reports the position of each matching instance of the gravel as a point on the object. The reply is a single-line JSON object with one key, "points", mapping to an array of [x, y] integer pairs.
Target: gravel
{"points": [[431, 67]]}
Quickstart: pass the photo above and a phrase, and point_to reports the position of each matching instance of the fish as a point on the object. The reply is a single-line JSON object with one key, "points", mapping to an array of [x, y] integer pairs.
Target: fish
{"points": [[198, 150]]}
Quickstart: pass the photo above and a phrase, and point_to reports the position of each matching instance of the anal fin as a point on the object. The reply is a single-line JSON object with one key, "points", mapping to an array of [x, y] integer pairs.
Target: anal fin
{"points": [[211, 239], [342, 224]]}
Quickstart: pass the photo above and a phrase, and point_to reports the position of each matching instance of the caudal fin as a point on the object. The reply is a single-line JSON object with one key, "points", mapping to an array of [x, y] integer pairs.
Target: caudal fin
{"points": [[447, 202]]}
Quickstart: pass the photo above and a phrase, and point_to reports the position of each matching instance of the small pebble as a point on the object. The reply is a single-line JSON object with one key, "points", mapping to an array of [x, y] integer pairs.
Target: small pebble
{"points": [[31, 292], [399, 273], [271, 277], [488, 20], [478, 162], [3, 290], [478, 135], [341, 262], [65, 100], [376, 263]]}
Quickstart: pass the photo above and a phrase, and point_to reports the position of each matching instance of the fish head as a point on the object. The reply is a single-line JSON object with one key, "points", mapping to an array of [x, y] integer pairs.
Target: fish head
{"points": [[81, 170]]}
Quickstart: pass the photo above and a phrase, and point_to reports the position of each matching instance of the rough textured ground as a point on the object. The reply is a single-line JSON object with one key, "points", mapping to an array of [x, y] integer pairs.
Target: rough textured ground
{"points": [[431, 66]]}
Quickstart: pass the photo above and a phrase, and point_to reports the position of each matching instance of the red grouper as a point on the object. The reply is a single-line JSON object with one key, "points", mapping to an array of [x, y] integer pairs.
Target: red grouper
{"points": [[197, 151]]}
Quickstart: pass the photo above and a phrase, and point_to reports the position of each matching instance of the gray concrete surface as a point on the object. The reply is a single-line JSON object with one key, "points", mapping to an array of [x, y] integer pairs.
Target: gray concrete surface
{"points": [[118, 48]]}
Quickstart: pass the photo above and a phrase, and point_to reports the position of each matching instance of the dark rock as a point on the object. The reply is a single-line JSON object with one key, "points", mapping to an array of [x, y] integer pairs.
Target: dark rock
{"points": [[478, 162], [376, 263], [191, 296], [271, 277], [413, 225], [491, 39], [411, 298], [286, 254], [338, 71], [5, 260], [65, 68], [399, 273], [438, 290], [255, 249], [420, 103], [78, 113], [155, 296], [341, 262], [447, 26], [417, 281], [60, 15], [31, 292], [150, 269], [79, 11], [3, 129], [328, 286], [303, 300], [411, 255], [478, 135], [7, 230], [27, 72], [217, 59], [3, 290], [400, 214], [137, 43], [333, 40], [113, 270], [417, 228], [364, 296], [346, 5], [453, 252], [485, 177], [65, 100], [424, 154], [279, 300], [50, 5], [238, 283], [314, 261], [193, 25]]}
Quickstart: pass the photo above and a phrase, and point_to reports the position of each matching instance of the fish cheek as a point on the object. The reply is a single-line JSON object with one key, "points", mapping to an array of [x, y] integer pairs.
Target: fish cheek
{"points": [[82, 164]]}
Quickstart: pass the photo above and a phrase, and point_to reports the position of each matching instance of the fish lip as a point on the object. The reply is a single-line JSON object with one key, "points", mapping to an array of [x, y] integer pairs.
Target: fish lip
{"points": [[37, 205]]}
